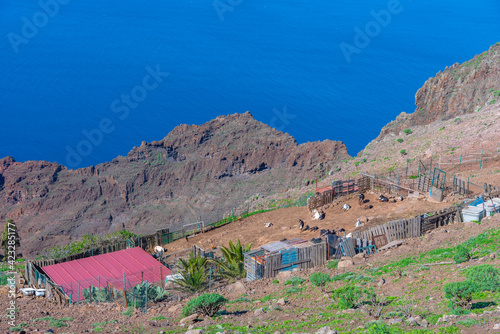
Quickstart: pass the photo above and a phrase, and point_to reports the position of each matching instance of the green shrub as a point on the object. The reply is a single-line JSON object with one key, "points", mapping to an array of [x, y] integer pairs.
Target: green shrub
{"points": [[363, 160], [399, 140], [467, 322], [462, 254], [294, 281], [128, 312], [492, 102], [208, 304], [320, 279], [332, 264], [351, 296], [403, 151], [485, 276], [293, 290], [276, 281], [407, 131], [377, 327], [356, 163], [460, 295]]}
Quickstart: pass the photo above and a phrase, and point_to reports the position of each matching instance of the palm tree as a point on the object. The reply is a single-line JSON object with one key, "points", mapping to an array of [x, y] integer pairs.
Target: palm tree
{"points": [[232, 265], [193, 271]]}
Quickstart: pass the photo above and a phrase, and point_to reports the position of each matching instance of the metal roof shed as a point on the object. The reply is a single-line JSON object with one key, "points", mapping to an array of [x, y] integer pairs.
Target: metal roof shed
{"points": [[122, 269]]}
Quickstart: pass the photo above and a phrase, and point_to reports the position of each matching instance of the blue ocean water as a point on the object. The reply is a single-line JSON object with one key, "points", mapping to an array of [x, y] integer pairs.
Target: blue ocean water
{"points": [[96, 78]]}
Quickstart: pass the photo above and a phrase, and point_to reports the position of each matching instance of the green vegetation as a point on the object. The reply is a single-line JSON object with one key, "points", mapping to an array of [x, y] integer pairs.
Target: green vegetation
{"points": [[293, 290], [351, 296], [496, 93], [485, 276], [332, 264], [442, 128], [457, 120], [88, 242], [94, 294], [356, 163], [460, 295], [294, 281], [208, 304], [193, 271], [407, 131], [492, 102], [320, 279], [128, 312], [403, 151], [462, 254], [399, 140], [232, 265]]}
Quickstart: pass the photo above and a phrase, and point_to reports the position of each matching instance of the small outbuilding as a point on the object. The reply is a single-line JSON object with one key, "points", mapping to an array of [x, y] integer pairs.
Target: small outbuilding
{"points": [[286, 255]]}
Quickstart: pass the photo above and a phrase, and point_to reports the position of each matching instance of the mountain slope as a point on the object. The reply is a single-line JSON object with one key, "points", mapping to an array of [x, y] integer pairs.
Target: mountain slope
{"points": [[194, 172]]}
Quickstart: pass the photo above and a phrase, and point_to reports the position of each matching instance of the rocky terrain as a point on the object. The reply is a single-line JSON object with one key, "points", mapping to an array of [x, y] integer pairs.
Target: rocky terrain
{"points": [[410, 278], [458, 90], [160, 184]]}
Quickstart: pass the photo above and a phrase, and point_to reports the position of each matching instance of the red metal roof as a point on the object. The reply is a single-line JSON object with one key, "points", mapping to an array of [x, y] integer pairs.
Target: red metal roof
{"points": [[127, 267]]}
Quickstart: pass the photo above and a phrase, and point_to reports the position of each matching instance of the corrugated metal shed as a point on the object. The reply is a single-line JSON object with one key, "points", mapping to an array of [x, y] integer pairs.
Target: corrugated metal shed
{"points": [[122, 268], [275, 246]]}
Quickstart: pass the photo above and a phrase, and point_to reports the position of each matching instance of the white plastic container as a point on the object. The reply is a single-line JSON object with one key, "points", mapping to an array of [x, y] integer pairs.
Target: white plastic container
{"points": [[489, 208], [496, 200], [28, 291], [472, 213], [39, 292]]}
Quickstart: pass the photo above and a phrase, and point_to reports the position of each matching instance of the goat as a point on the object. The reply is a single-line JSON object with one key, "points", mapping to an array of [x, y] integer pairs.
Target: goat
{"points": [[346, 207], [400, 198], [382, 198], [284, 239], [361, 199], [367, 207], [314, 228], [268, 224], [306, 228], [301, 224], [358, 223]]}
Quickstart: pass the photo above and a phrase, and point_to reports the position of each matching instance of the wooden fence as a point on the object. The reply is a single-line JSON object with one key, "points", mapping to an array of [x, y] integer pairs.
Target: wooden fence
{"points": [[327, 195], [395, 230], [410, 228], [441, 218]]}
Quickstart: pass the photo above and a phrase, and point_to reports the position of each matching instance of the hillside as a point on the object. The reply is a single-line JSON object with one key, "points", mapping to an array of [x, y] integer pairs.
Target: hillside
{"points": [[458, 90], [160, 184], [409, 279]]}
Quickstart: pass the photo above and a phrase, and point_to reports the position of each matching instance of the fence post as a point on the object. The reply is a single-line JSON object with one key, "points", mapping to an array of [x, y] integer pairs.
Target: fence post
{"points": [[481, 163], [460, 162], [430, 167], [124, 282], [78, 291]]}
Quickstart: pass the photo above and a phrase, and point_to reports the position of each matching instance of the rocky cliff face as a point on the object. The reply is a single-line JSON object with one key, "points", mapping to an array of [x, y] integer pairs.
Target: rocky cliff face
{"points": [[458, 90], [195, 172]]}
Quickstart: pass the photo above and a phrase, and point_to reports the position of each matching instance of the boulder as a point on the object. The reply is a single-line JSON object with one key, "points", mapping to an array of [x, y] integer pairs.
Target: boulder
{"points": [[195, 331], [175, 308], [237, 288], [283, 276], [326, 330], [345, 263], [190, 319], [258, 312], [281, 301]]}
